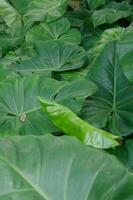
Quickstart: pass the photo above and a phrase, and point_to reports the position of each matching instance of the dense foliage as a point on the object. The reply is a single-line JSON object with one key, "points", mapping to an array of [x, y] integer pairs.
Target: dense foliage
{"points": [[66, 100]]}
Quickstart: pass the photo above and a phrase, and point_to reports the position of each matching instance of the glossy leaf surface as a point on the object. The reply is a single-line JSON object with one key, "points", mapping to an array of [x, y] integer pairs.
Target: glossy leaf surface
{"points": [[71, 124]]}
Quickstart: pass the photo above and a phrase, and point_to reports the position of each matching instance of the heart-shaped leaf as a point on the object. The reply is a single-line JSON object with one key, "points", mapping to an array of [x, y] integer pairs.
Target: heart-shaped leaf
{"points": [[53, 56], [112, 105], [57, 30], [20, 112]]}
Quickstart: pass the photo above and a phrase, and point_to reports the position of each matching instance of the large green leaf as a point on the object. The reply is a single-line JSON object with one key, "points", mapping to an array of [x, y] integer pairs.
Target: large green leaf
{"points": [[10, 15], [53, 168], [70, 124], [124, 46], [111, 12], [54, 56], [112, 105], [57, 30], [41, 10], [20, 111]]}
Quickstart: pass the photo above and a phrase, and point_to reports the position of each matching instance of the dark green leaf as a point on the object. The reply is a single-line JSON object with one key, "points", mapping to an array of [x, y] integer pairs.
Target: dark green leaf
{"points": [[112, 105], [111, 12], [95, 3]]}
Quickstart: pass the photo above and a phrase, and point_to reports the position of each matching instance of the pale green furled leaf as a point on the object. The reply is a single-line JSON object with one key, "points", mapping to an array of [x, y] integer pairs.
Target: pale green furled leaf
{"points": [[69, 123]]}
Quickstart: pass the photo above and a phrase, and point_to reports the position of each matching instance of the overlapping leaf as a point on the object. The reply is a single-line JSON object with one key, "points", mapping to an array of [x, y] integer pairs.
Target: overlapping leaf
{"points": [[111, 12], [70, 124], [124, 154], [95, 3], [41, 10], [112, 106], [57, 30], [20, 111], [124, 46], [54, 56]]}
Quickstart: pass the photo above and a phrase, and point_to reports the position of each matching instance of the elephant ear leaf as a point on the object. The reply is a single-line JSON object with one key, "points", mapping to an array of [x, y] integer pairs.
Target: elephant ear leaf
{"points": [[29, 170], [111, 12], [57, 30], [71, 124], [53, 56], [42, 10], [112, 105], [20, 112]]}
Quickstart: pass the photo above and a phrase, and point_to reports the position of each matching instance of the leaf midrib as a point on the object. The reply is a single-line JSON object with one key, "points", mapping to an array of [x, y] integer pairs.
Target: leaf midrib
{"points": [[114, 82]]}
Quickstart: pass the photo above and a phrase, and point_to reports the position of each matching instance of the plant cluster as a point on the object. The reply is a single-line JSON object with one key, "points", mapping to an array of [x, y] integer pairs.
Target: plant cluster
{"points": [[66, 100]]}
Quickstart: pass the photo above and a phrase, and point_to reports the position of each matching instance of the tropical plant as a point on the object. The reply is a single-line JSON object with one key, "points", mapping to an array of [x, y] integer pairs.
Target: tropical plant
{"points": [[66, 100]]}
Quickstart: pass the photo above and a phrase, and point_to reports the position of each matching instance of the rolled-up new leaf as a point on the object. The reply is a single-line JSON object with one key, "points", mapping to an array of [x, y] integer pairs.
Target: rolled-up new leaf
{"points": [[70, 124]]}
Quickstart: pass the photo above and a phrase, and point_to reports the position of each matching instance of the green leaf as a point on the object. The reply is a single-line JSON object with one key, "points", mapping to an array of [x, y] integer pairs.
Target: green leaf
{"points": [[57, 30], [124, 154], [53, 56], [111, 12], [4, 73], [41, 10], [11, 31], [30, 167], [95, 3], [112, 105], [20, 111], [76, 74], [71, 124], [10, 15], [124, 46]]}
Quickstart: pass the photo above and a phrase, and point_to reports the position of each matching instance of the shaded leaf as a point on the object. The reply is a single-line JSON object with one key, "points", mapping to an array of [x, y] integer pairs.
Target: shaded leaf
{"points": [[111, 12], [124, 154], [57, 30], [95, 3]]}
